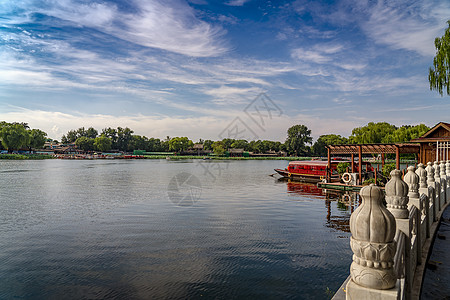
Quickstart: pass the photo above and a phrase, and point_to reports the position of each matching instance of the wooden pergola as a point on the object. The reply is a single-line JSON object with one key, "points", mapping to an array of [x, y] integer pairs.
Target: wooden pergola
{"points": [[361, 149]]}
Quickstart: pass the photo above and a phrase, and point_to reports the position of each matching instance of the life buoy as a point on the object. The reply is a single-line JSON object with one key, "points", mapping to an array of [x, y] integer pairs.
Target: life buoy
{"points": [[346, 177], [289, 174]]}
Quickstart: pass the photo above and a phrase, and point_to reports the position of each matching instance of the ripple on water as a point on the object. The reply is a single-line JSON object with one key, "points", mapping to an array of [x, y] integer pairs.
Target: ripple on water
{"points": [[95, 229]]}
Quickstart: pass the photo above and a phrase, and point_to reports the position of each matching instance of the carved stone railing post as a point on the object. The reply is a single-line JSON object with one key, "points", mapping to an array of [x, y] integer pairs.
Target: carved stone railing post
{"points": [[412, 180], [437, 186], [423, 191], [372, 242], [442, 168], [443, 181], [447, 172], [397, 203], [397, 196], [430, 174], [432, 188], [422, 173], [437, 170], [447, 168]]}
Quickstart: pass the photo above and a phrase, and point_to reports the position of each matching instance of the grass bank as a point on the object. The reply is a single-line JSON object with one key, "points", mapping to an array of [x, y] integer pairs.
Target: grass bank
{"points": [[25, 156], [225, 158]]}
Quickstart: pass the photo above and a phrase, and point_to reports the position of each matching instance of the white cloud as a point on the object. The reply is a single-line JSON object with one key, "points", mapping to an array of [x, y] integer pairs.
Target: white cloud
{"points": [[319, 53], [236, 2], [310, 56], [55, 124], [409, 26], [231, 95], [166, 25]]}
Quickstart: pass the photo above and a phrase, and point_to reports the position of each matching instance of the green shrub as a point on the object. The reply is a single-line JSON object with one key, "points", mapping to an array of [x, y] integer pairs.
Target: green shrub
{"points": [[342, 167], [372, 180], [12, 156], [387, 168]]}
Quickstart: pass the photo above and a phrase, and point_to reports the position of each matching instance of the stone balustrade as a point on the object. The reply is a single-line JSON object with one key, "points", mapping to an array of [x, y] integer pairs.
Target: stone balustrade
{"points": [[390, 243]]}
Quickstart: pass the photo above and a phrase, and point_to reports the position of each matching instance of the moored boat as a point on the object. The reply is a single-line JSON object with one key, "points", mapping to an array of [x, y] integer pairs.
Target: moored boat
{"points": [[309, 170]]}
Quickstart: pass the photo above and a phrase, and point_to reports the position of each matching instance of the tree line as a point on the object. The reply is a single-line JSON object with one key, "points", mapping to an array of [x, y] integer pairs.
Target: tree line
{"points": [[15, 136], [123, 139]]}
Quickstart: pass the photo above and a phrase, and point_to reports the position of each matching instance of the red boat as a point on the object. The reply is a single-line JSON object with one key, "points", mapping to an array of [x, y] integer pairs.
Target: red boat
{"points": [[310, 170], [315, 170]]}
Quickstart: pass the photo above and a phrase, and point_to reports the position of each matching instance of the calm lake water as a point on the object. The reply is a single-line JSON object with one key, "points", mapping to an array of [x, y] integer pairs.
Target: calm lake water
{"points": [[142, 229]]}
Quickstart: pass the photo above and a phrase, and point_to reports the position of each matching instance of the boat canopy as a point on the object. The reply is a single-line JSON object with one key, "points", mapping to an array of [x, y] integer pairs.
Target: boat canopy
{"points": [[315, 162]]}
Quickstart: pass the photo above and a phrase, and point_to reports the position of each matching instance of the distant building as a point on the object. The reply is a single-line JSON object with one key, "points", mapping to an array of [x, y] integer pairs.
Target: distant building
{"points": [[434, 144]]}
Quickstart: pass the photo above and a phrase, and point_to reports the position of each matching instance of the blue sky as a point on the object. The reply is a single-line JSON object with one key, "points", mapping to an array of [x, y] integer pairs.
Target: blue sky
{"points": [[206, 69]]}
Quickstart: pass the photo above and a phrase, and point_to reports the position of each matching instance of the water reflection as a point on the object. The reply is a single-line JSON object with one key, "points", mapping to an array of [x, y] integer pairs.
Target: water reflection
{"points": [[338, 216], [95, 229]]}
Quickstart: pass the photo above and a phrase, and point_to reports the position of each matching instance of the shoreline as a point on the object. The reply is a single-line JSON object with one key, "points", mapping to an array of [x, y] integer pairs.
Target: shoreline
{"points": [[201, 157]]}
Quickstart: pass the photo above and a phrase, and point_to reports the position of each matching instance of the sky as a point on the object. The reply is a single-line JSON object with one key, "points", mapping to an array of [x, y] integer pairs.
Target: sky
{"points": [[219, 69]]}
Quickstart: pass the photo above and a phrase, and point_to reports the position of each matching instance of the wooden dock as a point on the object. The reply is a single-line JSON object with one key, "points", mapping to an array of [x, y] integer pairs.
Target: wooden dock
{"points": [[339, 186]]}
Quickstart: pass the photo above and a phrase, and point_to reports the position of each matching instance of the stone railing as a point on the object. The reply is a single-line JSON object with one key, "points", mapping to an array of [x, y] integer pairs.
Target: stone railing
{"points": [[390, 243]]}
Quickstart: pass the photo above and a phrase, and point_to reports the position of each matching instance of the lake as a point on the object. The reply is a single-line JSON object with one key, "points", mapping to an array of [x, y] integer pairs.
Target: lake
{"points": [[167, 229]]}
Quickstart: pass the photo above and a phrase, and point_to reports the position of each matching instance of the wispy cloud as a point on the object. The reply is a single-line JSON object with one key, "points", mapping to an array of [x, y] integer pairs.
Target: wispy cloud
{"points": [[410, 26], [319, 53], [166, 25], [236, 2]]}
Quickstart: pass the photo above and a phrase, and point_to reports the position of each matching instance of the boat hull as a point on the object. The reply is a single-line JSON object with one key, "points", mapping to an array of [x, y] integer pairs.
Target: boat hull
{"points": [[300, 177]]}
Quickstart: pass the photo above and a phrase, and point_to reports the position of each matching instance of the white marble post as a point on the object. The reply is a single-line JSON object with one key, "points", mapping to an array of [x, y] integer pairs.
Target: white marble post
{"points": [[447, 173], [447, 168], [437, 186], [432, 189], [443, 181], [430, 174], [423, 190], [412, 180], [422, 173], [437, 170], [397, 199], [397, 196], [372, 242]]}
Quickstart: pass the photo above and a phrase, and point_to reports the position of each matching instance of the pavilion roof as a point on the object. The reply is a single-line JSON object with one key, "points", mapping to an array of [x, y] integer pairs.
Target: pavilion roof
{"points": [[374, 148]]}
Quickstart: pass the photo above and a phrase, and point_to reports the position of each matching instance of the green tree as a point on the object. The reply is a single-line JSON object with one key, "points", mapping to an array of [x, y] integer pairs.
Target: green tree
{"points": [[2, 124], [37, 138], [14, 136], [111, 133], [298, 137], [137, 142], [405, 133], [240, 144], [207, 145], [179, 144], [255, 146], [102, 143], [227, 143], [218, 148], [319, 147], [70, 137], [372, 133], [123, 138], [439, 77], [153, 145], [85, 143], [91, 133]]}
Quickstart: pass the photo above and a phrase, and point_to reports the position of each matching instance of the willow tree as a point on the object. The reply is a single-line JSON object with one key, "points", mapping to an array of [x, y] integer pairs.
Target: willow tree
{"points": [[439, 77]]}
